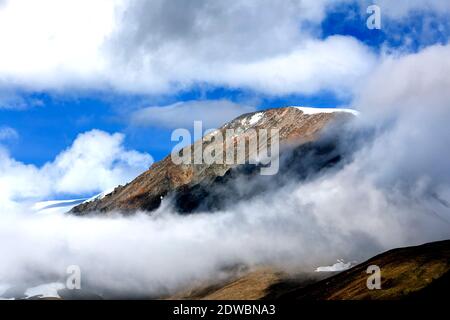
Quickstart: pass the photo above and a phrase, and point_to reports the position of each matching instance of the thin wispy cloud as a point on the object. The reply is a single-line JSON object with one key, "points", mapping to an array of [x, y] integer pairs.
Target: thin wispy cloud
{"points": [[8, 133], [212, 113]]}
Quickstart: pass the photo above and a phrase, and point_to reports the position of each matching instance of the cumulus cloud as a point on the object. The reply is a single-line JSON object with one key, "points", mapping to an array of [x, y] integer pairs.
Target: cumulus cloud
{"points": [[408, 84], [213, 113], [207, 27], [306, 69], [411, 92], [258, 45], [158, 46], [94, 162], [51, 44]]}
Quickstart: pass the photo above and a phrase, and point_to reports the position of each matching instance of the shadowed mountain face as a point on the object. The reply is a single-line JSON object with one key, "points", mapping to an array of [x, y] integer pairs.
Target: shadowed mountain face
{"points": [[306, 148], [245, 182], [412, 273]]}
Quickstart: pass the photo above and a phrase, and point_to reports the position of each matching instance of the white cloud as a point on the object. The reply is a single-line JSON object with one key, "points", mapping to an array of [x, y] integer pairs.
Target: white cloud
{"points": [[165, 46], [302, 226], [258, 45], [408, 98], [159, 46], [408, 83], [51, 44], [94, 162], [337, 63], [213, 114]]}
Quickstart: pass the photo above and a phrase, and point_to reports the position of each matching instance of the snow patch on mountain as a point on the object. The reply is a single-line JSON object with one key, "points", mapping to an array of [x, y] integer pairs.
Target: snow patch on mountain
{"points": [[48, 290], [100, 195], [255, 118], [340, 265], [310, 110]]}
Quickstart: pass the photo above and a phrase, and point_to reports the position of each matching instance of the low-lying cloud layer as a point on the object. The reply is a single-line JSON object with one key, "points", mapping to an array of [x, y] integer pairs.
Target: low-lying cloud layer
{"points": [[301, 226]]}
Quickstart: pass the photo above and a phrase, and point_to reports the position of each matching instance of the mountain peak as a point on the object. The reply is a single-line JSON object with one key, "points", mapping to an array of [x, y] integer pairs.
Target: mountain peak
{"points": [[294, 125]]}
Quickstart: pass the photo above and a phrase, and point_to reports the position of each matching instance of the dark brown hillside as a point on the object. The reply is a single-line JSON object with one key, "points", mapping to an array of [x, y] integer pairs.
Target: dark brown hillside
{"points": [[406, 273]]}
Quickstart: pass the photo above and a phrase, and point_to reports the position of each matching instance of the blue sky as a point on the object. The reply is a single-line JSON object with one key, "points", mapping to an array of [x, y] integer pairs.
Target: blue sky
{"points": [[48, 116], [52, 126]]}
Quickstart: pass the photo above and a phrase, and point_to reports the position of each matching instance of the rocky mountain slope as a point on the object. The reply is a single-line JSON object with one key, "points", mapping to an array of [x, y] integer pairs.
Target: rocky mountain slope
{"points": [[190, 184], [419, 272]]}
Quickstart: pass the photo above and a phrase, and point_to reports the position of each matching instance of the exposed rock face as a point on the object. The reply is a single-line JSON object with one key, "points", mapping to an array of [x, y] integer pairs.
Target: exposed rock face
{"points": [[297, 127]]}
